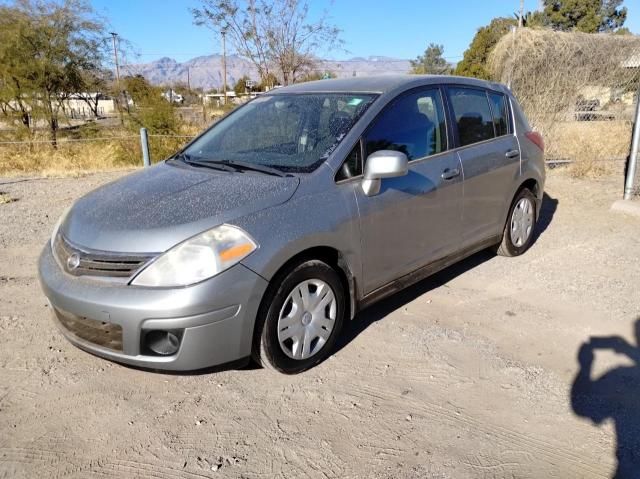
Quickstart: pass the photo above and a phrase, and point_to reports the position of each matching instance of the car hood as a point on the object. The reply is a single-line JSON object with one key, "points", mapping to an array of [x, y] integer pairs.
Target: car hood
{"points": [[152, 210]]}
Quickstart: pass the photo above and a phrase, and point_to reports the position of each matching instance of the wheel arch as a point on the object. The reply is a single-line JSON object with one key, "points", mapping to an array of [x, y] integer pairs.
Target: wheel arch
{"points": [[534, 185], [334, 258]]}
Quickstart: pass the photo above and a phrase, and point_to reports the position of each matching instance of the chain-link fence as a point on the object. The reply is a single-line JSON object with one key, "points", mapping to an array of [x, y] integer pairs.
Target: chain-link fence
{"points": [[578, 90]]}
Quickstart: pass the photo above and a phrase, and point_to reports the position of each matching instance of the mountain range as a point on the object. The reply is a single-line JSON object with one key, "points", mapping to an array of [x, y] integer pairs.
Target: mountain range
{"points": [[206, 71]]}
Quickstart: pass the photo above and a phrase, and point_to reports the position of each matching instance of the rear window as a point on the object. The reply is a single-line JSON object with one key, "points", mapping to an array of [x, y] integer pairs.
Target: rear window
{"points": [[500, 113], [473, 115]]}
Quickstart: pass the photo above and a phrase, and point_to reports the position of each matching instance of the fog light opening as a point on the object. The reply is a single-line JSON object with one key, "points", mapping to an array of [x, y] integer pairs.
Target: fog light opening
{"points": [[163, 343]]}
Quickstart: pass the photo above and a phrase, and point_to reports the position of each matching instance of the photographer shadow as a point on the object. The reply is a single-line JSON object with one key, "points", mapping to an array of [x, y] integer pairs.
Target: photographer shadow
{"points": [[615, 395]]}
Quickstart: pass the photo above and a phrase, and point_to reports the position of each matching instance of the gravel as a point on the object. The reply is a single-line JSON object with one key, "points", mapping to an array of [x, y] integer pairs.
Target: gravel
{"points": [[467, 374]]}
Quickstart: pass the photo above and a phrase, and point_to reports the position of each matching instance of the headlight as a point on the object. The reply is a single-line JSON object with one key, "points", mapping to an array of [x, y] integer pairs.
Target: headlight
{"points": [[57, 226], [198, 258]]}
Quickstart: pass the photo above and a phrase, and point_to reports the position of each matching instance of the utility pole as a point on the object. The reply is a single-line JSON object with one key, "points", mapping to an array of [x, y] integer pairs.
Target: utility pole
{"points": [[189, 78], [224, 64], [114, 35], [521, 19], [633, 156]]}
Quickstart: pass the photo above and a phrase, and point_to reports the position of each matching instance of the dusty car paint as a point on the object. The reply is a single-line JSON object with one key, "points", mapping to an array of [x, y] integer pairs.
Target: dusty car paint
{"points": [[417, 224]]}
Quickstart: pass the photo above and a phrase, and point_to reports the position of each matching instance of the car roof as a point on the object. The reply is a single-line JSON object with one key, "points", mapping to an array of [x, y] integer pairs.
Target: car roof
{"points": [[382, 84]]}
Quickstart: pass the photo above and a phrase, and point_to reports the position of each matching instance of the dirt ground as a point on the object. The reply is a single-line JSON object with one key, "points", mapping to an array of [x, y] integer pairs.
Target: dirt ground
{"points": [[465, 375]]}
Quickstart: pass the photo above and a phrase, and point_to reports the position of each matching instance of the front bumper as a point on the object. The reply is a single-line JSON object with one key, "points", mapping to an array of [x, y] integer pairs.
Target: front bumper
{"points": [[215, 318]]}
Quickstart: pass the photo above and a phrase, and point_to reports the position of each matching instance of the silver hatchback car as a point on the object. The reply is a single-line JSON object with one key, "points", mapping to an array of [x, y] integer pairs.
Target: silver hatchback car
{"points": [[283, 220]]}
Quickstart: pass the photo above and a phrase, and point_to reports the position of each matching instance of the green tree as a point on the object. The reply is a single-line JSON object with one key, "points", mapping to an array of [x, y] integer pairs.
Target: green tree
{"points": [[48, 51], [16, 89], [241, 85], [532, 19], [150, 109], [474, 62], [268, 82], [623, 31], [317, 75], [139, 89], [588, 16], [431, 62]]}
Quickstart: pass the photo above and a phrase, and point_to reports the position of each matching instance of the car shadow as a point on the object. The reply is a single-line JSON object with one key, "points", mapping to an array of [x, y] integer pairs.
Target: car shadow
{"points": [[385, 307], [547, 211], [615, 395], [388, 305]]}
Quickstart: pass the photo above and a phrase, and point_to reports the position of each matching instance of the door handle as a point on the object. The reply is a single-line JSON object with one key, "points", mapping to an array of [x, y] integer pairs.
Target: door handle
{"points": [[450, 173], [512, 153]]}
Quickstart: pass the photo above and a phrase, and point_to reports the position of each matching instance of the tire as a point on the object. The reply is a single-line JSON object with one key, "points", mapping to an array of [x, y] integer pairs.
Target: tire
{"points": [[515, 244], [310, 323]]}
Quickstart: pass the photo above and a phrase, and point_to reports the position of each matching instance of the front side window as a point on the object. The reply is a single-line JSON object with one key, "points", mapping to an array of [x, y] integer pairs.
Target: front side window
{"points": [[500, 113], [352, 166], [293, 133], [473, 115], [413, 124]]}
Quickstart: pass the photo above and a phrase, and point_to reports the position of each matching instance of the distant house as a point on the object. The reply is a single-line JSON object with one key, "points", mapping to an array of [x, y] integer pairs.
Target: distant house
{"points": [[77, 104], [172, 97], [599, 97], [217, 99]]}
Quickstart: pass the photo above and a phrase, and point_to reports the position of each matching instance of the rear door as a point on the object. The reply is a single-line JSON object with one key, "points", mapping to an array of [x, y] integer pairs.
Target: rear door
{"points": [[415, 219], [490, 159]]}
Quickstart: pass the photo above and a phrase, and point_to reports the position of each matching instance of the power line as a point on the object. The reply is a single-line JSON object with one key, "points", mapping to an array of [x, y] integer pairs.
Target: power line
{"points": [[352, 60]]}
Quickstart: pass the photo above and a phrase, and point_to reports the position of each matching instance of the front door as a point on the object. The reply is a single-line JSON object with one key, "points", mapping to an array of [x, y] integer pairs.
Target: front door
{"points": [[415, 219]]}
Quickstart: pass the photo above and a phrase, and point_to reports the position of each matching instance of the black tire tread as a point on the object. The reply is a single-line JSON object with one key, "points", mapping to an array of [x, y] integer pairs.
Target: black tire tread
{"points": [[260, 350]]}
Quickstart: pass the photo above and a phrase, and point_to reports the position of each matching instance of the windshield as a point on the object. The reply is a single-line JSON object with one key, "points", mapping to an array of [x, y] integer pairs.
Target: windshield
{"points": [[293, 133]]}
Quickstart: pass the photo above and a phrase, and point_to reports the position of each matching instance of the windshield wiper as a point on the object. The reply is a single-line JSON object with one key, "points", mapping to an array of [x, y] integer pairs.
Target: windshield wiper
{"points": [[227, 165], [245, 165], [214, 165]]}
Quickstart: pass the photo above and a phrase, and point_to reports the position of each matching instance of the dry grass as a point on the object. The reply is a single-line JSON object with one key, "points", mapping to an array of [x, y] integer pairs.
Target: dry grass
{"points": [[68, 159], [595, 147], [5, 198], [77, 158], [550, 71]]}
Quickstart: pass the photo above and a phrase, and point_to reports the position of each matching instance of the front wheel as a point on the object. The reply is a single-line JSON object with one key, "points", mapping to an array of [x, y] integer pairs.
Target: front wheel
{"points": [[300, 318], [518, 232]]}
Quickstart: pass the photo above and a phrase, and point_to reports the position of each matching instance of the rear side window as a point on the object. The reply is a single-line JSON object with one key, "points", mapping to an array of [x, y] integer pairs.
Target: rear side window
{"points": [[473, 115], [500, 113], [413, 124]]}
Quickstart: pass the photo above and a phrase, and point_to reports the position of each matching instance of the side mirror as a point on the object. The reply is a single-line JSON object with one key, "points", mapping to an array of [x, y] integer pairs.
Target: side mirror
{"points": [[383, 164]]}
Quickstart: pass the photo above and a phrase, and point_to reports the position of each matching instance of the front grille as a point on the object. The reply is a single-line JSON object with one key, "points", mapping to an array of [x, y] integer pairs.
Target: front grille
{"points": [[100, 333], [83, 262]]}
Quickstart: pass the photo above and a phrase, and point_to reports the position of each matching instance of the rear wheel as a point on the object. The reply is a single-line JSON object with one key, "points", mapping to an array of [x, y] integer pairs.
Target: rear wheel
{"points": [[518, 232], [300, 318]]}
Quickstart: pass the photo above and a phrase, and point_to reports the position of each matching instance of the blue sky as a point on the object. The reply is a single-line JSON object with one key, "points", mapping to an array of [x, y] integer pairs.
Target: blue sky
{"points": [[399, 29]]}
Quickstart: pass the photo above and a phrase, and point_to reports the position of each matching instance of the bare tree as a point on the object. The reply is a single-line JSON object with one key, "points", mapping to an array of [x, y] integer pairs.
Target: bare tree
{"points": [[276, 37]]}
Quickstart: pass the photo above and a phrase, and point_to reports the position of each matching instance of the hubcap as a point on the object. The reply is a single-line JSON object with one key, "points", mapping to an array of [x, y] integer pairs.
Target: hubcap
{"points": [[522, 222], [307, 319]]}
